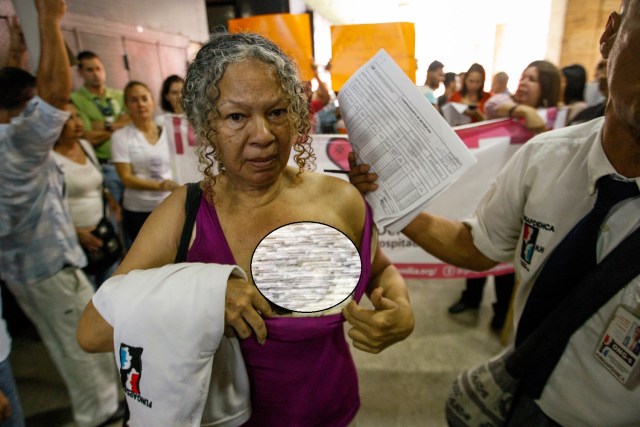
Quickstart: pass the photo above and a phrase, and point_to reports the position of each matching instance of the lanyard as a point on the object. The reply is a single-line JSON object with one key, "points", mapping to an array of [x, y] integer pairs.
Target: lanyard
{"points": [[107, 110]]}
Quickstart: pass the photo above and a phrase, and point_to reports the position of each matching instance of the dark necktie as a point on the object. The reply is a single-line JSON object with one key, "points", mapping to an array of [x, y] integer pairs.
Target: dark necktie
{"points": [[573, 258]]}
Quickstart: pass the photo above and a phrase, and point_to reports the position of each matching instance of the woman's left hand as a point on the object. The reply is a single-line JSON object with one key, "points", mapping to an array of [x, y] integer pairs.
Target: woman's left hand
{"points": [[474, 114], [374, 330], [88, 240]]}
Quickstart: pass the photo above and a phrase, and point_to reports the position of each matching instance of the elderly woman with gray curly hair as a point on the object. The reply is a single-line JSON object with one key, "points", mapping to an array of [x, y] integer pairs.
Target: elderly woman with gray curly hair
{"points": [[246, 103]]}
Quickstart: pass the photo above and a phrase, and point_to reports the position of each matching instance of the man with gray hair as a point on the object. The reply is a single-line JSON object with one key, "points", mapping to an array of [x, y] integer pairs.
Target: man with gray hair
{"points": [[499, 83]]}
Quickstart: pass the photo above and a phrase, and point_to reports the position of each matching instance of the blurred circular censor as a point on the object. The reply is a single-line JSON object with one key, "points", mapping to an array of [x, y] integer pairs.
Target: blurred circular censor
{"points": [[306, 267]]}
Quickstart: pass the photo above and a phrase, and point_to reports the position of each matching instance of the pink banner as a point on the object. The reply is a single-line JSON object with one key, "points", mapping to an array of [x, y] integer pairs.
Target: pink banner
{"points": [[473, 134], [447, 271], [492, 143]]}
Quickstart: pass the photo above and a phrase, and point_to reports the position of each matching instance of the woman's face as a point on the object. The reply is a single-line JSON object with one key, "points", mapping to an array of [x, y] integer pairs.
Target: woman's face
{"points": [[529, 91], [254, 135], [474, 81], [74, 126], [139, 103], [173, 96]]}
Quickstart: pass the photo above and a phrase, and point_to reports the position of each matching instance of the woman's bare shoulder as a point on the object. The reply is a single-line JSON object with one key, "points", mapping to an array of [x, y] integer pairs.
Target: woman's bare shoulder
{"points": [[332, 187], [338, 198]]}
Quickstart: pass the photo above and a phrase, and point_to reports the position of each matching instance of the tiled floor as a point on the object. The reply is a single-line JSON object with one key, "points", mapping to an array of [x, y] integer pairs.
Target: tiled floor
{"points": [[405, 385]]}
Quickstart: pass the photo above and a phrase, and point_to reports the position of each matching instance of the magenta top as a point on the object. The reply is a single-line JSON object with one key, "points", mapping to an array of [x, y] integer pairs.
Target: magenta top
{"points": [[304, 374]]}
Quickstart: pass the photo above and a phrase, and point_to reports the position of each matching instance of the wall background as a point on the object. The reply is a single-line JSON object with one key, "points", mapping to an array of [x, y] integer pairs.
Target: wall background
{"points": [[583, 25], [158, 37]]}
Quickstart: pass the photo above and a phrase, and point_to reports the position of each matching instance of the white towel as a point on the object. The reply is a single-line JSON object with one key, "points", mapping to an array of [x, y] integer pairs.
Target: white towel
{"points": [[168, 324]]}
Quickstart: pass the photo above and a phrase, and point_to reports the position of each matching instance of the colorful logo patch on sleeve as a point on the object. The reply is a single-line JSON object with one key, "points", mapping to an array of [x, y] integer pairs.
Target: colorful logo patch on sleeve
{"points": [[131, 372]]}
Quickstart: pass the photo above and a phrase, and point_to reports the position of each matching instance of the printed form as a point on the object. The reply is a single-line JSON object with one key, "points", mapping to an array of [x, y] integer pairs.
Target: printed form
{"points": [[393, 128]]}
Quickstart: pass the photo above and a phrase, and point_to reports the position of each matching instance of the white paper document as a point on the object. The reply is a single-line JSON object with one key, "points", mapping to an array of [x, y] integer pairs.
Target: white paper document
{"points": [[393, 128]]}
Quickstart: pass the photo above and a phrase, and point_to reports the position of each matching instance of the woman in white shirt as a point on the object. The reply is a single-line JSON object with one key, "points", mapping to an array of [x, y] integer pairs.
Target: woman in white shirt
{"points": [[140, 153], [170, 95], [180, 134], [84, 187]]}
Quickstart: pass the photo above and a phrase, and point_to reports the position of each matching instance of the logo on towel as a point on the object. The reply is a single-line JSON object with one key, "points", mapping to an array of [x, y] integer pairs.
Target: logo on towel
{"points": [[131, 372]]}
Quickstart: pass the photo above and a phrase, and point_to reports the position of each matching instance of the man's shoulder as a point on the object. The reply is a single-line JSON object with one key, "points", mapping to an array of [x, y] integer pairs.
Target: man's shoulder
{"points": [[81, 97], [558, 147], [39, 109], [116, 94], [81, 91], [570, 134], [39, 125]]}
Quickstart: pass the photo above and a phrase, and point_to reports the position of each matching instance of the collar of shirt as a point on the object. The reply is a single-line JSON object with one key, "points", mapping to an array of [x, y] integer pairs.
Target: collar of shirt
{"points": [[598, 165]]}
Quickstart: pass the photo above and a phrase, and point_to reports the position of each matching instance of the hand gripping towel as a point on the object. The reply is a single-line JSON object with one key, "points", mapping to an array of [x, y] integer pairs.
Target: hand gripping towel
{"points": [[168, 324]]}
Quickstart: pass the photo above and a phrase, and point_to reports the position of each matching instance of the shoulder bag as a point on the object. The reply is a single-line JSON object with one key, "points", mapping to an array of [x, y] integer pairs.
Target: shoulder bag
{"points": [[112, 248]]}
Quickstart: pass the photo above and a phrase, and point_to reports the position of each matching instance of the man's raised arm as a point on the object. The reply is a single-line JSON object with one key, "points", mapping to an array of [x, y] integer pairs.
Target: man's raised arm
{"points": [[54, 75]]}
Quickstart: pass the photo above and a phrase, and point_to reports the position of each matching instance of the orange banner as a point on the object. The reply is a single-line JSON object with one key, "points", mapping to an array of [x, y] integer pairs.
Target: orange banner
{"points": [[353, 45], [292, 33]]}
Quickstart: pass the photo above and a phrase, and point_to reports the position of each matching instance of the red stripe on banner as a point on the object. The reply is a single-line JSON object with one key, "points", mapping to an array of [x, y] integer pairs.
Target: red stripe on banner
{"points": [[191, 137], [446, 271], [177, 135], [473, 133]]}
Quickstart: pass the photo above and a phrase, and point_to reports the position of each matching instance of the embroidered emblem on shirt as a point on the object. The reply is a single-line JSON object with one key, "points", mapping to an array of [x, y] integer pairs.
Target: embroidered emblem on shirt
{"points": [[529, 238], [131, 372], [530, 233]]}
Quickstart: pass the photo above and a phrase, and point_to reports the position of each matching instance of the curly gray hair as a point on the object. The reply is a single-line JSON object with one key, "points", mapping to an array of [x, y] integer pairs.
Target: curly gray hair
{"points": [[201, 92]]}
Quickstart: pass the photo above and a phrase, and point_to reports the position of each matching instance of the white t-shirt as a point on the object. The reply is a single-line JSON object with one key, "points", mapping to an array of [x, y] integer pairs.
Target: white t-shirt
{"points": [[128, 145], [170, 323], [84, 187], [545, 189]]}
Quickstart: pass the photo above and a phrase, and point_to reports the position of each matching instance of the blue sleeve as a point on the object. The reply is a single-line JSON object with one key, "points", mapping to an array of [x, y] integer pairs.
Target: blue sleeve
{"points": [[31, 135]]}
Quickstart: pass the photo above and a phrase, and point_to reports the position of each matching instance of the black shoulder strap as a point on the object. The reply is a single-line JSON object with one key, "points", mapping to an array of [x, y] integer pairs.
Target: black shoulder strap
{"points": [[99, 169], [194, 194]]}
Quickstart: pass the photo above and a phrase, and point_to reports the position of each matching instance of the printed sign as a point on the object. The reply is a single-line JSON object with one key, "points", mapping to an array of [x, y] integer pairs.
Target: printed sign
{"points": [[292, 33]]}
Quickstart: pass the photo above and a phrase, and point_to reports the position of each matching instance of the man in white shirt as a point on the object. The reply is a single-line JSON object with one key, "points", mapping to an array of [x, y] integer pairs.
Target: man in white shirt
{"points": [[545, 189]]}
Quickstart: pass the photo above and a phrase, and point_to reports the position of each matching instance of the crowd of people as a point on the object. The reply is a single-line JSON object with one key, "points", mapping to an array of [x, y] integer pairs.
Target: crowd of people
{"points": [[77, 158], [558, 211]]}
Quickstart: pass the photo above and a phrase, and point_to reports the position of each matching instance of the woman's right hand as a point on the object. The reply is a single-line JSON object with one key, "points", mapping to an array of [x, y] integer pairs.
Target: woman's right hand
{"points": [[534, 122], [244, 310], [168, 185], [88, 240], [532, 119]]}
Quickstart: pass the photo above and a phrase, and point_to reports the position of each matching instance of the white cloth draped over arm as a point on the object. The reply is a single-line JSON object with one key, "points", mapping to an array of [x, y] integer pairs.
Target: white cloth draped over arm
{"points": [[168, 323]]}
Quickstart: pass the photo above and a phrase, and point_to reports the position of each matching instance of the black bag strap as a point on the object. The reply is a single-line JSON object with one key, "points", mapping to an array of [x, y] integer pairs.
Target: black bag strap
{"points": [[534, 360], [104, 189], [194, 193]]}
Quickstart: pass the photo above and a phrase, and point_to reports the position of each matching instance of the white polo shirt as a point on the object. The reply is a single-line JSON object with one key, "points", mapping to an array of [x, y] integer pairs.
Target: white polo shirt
{"points": [[544, 190]]}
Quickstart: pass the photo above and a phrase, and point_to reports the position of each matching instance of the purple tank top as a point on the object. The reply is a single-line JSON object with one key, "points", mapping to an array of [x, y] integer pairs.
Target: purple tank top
{"points": [[304, 374]]}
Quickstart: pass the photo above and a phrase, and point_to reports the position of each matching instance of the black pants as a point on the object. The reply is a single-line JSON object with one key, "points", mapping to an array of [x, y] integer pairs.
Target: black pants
{"points": [[131, 224], [472, 295]]}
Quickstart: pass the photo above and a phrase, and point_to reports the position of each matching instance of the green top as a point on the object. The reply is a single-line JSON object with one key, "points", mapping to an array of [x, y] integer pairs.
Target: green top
{"points": [[92, 108]]}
